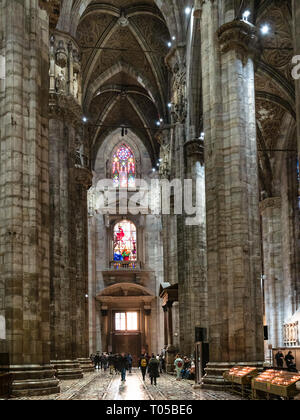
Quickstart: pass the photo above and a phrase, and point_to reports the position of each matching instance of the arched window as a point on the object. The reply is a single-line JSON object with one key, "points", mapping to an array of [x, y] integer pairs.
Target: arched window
{"points": [[124, 168], [125, 241]]}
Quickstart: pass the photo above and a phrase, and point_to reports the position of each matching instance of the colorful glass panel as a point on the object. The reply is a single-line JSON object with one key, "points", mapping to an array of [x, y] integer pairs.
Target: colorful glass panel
{"points": [[125, 241], [124, 168]]}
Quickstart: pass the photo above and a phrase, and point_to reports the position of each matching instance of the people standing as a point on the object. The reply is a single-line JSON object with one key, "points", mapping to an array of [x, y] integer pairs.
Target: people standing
{"points": [[111, 363], [123, 366], [279, 357], [97, 361], [178, 366], [290, 362], [143, 364], [153, 369], [129, 360]]}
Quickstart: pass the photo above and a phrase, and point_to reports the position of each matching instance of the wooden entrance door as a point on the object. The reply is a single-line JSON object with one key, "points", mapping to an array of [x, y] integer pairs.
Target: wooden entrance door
{"points": [[128, 343]]}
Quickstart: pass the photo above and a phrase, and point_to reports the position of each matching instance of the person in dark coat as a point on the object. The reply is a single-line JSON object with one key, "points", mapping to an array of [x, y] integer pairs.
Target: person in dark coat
{"points": [[153, 369], [130, 362], [123, 366], [97, 361], [279, 357], [290, 362], [143, 364]]}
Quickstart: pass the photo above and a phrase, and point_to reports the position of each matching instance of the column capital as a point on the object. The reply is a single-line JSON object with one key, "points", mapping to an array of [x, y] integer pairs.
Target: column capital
{"points": [[82, 176], [195, 147], [65, 107], [240, 36], [271, 202]]}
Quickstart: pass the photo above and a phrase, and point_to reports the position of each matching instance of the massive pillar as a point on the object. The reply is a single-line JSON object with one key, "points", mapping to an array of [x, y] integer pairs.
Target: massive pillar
{"points": [[185, 261], [68, 208], [80, 182], [24, 195], [296, 21], [235, 308], [194, 287], [273, 268]]}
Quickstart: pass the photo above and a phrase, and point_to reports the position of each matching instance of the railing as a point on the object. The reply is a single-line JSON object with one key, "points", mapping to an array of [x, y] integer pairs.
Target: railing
{"points": [[291, 334], [125, 265]]}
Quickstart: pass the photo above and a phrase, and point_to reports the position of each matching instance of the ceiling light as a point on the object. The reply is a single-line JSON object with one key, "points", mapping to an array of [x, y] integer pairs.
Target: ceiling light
{"points": [[265, 29], [174, 38], [84, 119], [246, 15], [169, 44], [187, 11], [169, 105]]}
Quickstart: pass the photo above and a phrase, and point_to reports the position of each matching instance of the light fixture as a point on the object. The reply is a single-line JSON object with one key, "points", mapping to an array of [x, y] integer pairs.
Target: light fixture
{"points": [[265, 29], [153, 170], [158, 123], [187, 11], [84, 119], [174, 38], [169, 44], [246, 15], [161, 120], [169, 105]]}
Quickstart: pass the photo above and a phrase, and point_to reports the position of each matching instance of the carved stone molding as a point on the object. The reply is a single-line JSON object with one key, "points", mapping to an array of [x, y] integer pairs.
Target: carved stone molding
{"points": [[82, 176], [195, 147], [52, 7], [65, 108], [240, 36], [272, 202]]}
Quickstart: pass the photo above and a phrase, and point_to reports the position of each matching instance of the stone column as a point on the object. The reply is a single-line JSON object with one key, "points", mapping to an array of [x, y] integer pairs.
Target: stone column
{"points": [[147, 317], [296, 21], [170, 355], [165, 309], [63, 358], [235, 308], [24, 196], [80, 182], [193, 287], [273, 268]]}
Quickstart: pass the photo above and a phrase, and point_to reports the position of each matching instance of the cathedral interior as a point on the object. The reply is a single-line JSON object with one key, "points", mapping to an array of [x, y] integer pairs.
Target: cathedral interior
{"points": [[99, 100]]}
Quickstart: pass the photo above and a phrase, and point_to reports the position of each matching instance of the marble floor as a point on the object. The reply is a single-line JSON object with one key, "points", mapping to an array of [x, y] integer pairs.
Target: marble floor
{"points": [[102, 386]]}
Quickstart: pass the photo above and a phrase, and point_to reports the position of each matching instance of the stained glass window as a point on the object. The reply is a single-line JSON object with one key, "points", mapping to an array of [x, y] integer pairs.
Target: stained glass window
{"points": [[125, 241], [124, 168]]}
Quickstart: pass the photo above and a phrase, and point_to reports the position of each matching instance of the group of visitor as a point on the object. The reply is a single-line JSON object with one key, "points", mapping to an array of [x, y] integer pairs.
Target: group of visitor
{"points": [[184, 367], [289, 360], [116, 363], [154, 365]]}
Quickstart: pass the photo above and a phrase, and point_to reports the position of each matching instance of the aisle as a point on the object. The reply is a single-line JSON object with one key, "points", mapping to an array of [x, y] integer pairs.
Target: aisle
{"points": [[99, 386], [133, 389]]}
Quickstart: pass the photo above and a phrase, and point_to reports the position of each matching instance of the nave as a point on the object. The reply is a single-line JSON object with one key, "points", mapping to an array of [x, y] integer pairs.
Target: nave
{"points": [[99, 386]]}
